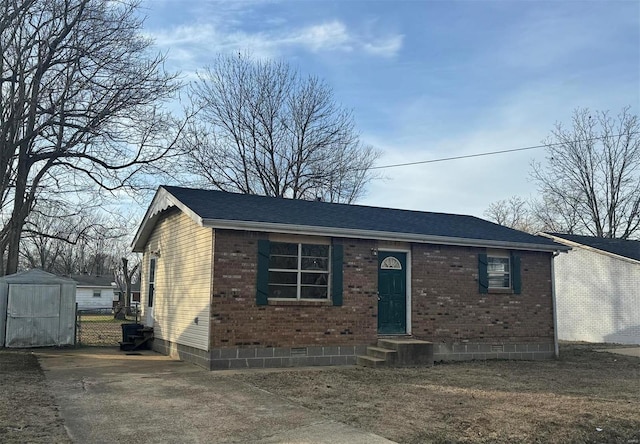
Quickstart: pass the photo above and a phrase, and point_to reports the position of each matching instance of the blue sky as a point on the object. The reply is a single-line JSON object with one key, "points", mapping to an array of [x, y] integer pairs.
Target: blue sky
{"points": [[432, 79]]}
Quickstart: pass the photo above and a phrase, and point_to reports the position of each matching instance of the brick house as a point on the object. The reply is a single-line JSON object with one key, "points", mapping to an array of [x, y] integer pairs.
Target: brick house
{"points": [[603, 304], [231, 280]]}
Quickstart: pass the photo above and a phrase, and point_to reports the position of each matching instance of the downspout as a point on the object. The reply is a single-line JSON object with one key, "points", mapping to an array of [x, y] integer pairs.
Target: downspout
{"points": [[553, 303]]}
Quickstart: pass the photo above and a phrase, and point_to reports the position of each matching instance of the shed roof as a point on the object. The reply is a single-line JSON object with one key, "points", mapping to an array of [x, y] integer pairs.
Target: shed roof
{"points": [[621, 247], [218, 209], [35, 276]]}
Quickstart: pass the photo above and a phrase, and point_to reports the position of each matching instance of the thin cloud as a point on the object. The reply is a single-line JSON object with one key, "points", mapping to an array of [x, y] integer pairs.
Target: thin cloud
{"points": [[192, 42], [325, 36], [335, 36], [386, 47], [185, 35]]}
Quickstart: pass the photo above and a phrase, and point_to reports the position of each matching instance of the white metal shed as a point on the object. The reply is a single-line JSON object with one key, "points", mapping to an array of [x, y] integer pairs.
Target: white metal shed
{"points": [[37, 309]]}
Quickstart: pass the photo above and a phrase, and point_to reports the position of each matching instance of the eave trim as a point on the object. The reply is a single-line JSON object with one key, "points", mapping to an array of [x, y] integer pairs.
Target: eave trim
{"points": [[573, 244], [307, 230], [162, 201]]}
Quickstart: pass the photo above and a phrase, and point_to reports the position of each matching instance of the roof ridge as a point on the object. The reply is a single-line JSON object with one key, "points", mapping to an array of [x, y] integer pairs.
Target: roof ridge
{"points": [[351, 205]]}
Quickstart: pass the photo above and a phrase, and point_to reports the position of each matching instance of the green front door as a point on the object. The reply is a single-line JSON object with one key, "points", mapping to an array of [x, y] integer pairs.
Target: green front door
{"points": [[392, 293]]}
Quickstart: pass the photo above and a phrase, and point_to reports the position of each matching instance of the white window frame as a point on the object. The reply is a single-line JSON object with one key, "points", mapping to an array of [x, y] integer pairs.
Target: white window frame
{"points": [[97, 293], [298, 271], [501, 274], [151, 288]]}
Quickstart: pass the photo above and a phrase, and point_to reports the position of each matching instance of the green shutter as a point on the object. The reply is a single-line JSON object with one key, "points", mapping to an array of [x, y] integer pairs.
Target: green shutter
{"points": [[262, 284], [483, 276], [336, 274], [516, 279]]}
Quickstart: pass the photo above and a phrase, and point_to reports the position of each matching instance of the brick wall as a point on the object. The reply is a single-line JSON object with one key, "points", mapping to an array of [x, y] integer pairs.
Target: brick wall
{"points": [[446, 304], [448, 308], [236, 320]]}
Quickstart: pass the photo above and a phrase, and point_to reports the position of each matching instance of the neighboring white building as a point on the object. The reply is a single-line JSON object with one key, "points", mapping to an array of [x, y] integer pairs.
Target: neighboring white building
{"points": [[598, 289], [94, 291]]}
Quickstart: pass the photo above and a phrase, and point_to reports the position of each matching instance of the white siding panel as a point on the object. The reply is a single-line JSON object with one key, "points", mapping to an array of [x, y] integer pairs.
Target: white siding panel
{"points": [[85, 299], [598, 298], [4, 293], [183, 280]]}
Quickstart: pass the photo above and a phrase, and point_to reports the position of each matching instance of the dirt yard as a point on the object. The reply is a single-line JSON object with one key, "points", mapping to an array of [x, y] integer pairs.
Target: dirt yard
{"points": [[28, 413], [585, 397]]}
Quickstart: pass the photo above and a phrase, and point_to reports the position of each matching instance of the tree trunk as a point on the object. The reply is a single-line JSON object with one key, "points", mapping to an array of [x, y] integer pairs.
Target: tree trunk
{"points": [[18, 216]]}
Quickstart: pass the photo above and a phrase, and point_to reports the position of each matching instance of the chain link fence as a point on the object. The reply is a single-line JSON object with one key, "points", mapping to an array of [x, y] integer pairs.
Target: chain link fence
{"points": [[102, 326]]}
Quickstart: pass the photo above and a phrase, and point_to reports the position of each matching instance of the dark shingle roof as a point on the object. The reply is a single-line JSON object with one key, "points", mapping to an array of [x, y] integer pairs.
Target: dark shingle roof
{"points": [[86, 280], [621, 247], [224, 206]]}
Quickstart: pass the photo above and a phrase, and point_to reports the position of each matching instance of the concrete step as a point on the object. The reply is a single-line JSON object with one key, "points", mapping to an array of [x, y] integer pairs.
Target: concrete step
{"points": [[394, 343], [382, 353], [410, 352], [398, 352], [370, 361]]}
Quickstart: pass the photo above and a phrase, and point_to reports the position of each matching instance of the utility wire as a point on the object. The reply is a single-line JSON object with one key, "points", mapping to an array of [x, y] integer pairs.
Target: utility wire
{"points": [[444, 159]]}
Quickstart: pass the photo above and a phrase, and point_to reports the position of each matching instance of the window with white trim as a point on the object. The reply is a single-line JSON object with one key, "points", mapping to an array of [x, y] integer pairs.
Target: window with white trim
{"points": [[152, 281], [97, 293], [298, 271], [499, 271]]}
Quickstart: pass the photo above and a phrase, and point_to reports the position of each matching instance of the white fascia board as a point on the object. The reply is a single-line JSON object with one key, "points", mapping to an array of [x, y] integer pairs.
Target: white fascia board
{"points": [[371, 234], [93, 286], [573, 244], [163, 200]]}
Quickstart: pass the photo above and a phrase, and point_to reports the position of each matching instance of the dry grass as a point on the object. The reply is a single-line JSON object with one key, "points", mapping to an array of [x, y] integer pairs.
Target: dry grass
{"points": [[583, 397], [100, 329], [99, 333], [28, 413]]}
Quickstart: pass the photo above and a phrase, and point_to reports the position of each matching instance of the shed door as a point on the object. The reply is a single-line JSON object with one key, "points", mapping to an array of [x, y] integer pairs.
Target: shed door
{"points": [[33, 315]]}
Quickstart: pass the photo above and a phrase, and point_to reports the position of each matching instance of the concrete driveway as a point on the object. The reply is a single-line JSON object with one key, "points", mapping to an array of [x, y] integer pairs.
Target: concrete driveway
{"points": [[107, 396]]}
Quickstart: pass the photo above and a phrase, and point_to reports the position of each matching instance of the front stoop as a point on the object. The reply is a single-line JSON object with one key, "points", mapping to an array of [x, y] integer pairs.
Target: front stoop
{"points": [[398, 353]]}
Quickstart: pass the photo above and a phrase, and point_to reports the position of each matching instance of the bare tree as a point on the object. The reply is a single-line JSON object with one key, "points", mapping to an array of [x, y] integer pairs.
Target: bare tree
{"points": [[550, 213], [85, 241], [266, 130], [591, 182], [126, 275], [80, 99], [44, 236], [512, 212]]}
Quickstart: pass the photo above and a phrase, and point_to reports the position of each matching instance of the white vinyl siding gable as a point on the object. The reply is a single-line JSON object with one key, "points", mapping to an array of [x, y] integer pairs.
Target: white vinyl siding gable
{"points": [[182, 284]]}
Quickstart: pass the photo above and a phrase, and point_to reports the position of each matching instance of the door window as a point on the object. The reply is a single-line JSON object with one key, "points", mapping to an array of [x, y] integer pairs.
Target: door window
{"points": [[152, 279]]}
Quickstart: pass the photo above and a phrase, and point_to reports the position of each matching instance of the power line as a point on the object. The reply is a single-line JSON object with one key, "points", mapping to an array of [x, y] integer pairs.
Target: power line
{"points": [[490, 153]]}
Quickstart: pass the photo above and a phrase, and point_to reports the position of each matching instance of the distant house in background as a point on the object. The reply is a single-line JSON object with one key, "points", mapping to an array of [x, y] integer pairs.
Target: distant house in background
{"points": [[598, 289], [94, 291], [135, 294]]}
